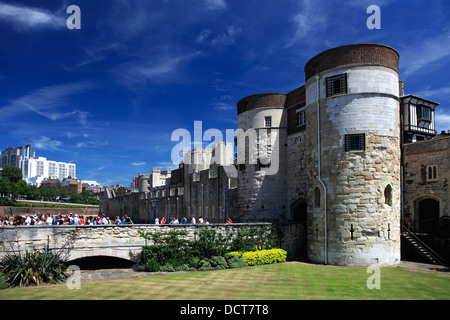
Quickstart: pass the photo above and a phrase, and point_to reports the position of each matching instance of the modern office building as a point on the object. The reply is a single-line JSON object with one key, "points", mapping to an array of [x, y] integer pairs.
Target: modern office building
{"points": [[16, 156]]}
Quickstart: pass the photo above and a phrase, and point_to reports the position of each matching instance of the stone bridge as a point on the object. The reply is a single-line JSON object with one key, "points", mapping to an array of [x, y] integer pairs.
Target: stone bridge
{"points": [[119, 241]]}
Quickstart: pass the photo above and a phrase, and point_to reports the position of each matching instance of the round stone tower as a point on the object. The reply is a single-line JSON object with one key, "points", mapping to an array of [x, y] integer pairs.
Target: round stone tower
{"points": [[261, 146], [352, 107]]}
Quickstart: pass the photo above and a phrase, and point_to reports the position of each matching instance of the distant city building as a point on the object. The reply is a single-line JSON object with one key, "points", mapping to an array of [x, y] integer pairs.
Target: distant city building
{"points": [[36, 169], [16, 156], [91, 185], [72, 184]]}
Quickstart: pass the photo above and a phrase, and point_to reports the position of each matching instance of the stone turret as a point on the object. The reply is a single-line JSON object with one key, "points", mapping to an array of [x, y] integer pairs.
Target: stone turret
{"points": [[353, 161], [261, 146]]}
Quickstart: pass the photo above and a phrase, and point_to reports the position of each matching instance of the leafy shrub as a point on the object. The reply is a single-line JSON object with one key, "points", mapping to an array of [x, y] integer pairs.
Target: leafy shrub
{"points": [[169, 249], [236, 253], [166, 268], [3, 283], [209, 243], [33, 268], [255, 258], [204, 265], [235, 261], [252, 238], [218, 263]]}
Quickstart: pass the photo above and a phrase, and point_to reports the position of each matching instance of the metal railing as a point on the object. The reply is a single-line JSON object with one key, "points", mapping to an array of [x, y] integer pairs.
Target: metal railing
{"points": [[427, 248]]}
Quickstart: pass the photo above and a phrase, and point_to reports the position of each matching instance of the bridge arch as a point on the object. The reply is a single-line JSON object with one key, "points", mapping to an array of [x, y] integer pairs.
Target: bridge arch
{"points": [[100, 262]]}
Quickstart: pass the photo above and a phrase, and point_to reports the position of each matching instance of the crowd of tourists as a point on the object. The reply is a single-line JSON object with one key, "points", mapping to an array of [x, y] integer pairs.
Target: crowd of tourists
{"points": [[175, 220], [59, 219], [75, 219]]}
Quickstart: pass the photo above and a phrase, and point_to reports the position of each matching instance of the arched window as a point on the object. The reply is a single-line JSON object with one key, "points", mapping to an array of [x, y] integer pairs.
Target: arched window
{"points": [[317, 197], [388, 195]]}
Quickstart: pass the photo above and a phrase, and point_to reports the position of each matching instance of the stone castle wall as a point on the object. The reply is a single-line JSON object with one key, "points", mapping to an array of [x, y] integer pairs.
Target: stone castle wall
{"points": [[418, 157], [211, 194]]}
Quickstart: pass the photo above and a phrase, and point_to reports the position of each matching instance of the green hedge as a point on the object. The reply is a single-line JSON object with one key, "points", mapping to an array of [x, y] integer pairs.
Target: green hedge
{"points": [[255, 258], [174, 250]]}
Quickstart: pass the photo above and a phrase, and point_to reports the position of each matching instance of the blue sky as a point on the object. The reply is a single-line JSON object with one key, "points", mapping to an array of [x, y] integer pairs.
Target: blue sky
{"points": [[108, 96]]}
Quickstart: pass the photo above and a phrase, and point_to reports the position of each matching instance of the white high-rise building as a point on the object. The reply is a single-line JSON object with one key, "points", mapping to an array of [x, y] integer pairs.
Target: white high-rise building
{"points": [[36, 169]]}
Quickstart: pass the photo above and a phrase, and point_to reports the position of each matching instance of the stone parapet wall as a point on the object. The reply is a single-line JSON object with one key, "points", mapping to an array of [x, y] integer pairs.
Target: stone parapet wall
{"points": [[121, 241]]}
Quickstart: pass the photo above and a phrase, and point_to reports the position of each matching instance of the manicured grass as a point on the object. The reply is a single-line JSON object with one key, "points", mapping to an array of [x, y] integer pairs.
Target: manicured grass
{"points": [[284, 281]]}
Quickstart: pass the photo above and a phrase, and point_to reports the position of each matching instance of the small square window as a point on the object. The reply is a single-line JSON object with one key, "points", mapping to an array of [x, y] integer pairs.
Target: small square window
{"points": [[355, 142], [336, 85], [268, 122]]}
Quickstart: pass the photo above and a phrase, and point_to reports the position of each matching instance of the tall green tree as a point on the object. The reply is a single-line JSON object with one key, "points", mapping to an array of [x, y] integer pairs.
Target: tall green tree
{"points": [[20, 188], [12, 174], [5, 187]]}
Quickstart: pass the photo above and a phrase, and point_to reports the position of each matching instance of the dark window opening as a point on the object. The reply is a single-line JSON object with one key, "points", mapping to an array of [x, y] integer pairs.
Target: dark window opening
{"points": [[388, 195], [355, 142], [317, 197], [423, 113], [336, 85]]}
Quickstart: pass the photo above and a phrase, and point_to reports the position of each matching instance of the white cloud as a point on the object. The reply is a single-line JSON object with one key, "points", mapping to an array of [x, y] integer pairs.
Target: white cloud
{"points": [[223, 106], [157, 69], [138, 163], [431, 94], [45, 143], [309, 20], [425, 53], [216, 4], [48, 102], [442, 120], [27, 17], [224, 38]]}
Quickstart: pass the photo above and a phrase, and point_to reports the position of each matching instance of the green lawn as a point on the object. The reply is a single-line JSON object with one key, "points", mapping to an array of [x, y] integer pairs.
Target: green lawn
{"points": [[284, 281]]}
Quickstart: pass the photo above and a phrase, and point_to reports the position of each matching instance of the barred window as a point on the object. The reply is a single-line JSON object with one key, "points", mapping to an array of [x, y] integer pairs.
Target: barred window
{"points": [[268, 122], [355, 142], [336, 85]]}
